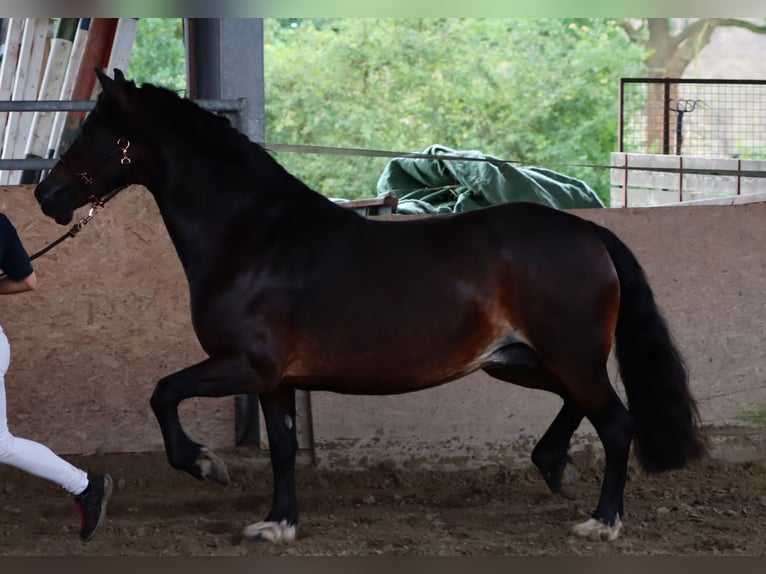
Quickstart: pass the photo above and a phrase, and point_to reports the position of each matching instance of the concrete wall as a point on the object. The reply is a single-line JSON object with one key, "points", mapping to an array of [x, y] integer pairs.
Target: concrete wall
{"points": [[649, 188], [110, 318]]}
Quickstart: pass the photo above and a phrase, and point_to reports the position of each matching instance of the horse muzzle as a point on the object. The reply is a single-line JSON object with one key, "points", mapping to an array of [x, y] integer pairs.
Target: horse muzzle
{"points": [[55, 203]]}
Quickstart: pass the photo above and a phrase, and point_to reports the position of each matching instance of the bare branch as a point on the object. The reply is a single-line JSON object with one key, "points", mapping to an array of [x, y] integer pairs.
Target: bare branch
{"points": [[631, 31], [698, 26], [686, 52]]}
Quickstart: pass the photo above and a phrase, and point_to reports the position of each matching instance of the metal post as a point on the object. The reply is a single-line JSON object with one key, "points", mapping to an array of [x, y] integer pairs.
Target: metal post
{"points": [[625, 183], [621, 117], [739, 176], [680, 178], [225, 61], [666, 117]]}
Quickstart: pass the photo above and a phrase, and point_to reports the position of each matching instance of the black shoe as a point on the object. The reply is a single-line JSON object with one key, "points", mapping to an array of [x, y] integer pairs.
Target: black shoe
{"points": [[91, 503]]}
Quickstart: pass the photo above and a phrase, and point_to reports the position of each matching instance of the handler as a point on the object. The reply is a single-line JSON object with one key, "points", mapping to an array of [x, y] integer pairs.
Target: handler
{"points": [[91, 491]]}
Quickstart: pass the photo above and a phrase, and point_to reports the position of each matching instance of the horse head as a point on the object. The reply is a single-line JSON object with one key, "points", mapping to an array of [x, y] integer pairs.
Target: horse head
{"points": [[102, 159]]}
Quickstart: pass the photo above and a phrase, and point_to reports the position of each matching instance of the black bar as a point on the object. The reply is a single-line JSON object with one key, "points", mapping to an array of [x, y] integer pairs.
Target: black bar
{"points": [[666, 117], [690, 81]]}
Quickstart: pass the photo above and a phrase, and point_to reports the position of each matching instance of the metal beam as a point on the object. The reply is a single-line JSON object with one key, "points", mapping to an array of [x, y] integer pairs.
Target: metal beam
{"points": [[225, 61]]}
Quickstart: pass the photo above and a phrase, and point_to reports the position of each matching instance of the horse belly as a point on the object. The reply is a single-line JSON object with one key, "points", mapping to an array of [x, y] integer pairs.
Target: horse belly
{"points": [[395, 361], [437, 317]]}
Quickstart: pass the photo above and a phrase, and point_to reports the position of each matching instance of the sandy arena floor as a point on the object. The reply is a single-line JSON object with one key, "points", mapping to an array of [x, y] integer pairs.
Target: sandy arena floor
{"points": [[716, 507]]}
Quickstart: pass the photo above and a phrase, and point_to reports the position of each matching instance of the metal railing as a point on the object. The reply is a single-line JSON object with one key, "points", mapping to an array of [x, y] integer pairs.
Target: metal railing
{"points": [[233, 107]]}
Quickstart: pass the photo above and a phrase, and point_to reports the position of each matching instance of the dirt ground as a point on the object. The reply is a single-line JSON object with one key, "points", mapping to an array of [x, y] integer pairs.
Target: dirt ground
{"points": [[716, 507]]}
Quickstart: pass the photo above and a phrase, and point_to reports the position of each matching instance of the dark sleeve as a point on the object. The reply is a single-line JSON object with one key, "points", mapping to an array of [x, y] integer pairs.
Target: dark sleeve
{"points": [[14, 260]]}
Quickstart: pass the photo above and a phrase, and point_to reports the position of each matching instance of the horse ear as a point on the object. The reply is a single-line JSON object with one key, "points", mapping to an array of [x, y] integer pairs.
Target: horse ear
{"points": [[115, 89]]}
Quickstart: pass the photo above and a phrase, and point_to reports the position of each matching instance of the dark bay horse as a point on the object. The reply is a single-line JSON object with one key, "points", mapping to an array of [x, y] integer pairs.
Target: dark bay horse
{"points": [[289, 291]]}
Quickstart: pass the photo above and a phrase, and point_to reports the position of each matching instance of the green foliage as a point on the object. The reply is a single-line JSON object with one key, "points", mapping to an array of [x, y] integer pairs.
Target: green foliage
{"points": [[540, 91], [158, 54], [755, 416]]}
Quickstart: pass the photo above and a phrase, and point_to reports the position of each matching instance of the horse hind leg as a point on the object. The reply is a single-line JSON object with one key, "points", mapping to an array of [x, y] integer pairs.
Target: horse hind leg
{"points": [[551, 454], [519, 364], [584, 395], [282, 520], [614, 428]]}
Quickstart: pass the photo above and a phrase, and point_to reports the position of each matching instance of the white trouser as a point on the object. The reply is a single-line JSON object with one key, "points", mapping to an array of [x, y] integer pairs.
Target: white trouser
{"points": [[28, 455]]}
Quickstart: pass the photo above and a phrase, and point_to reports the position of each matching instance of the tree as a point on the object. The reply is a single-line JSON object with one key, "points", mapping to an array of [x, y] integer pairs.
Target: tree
{"points": [[540, 91], [671, 44], [158, 54]]}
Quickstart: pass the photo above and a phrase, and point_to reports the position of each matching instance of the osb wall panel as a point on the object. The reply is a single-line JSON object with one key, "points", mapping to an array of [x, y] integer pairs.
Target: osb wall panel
{"points": [[706, 266], [109, 318]]}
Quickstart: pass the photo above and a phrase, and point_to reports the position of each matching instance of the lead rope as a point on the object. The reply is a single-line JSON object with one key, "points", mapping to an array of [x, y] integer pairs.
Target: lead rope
{"points": [[96, 204]]}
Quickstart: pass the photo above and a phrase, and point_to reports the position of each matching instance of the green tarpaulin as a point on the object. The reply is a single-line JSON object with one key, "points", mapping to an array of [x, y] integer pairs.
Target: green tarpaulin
{"points": [[446, 185]]}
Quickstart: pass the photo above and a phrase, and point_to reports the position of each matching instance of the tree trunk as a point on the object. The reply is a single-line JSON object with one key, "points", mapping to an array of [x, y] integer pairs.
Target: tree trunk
{"points": [[669, 58]]}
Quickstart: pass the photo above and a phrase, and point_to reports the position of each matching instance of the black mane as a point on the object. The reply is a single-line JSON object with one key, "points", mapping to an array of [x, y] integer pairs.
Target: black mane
{"points": [[211, 134], [204, 129]]}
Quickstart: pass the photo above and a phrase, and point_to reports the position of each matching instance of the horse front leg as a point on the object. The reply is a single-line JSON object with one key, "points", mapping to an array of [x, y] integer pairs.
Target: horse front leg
{"points": [[279, 415], [213, 377]]}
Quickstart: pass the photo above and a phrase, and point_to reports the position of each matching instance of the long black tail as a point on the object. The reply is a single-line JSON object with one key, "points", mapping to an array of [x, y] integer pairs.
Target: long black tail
{"points": [[667, 424]]}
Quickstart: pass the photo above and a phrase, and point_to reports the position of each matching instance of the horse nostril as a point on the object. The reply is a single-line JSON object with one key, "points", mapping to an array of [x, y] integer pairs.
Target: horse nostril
{"points": [[46, 191], [41, 192]]}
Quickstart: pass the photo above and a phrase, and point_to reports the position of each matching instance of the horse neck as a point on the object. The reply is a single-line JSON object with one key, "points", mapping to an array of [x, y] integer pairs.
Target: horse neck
{"points": [[203, 204]]}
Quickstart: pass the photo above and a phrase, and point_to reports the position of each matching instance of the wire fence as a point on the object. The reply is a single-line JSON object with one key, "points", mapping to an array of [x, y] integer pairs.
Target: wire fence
{"points": [[711, 118]]}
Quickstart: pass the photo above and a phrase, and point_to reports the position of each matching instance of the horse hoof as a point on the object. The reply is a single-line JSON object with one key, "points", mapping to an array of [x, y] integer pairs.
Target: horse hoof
{"points": [[569, 482], [213, 468], [593, 529], [270, 531]]}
